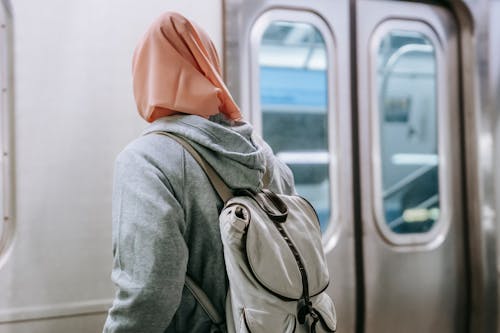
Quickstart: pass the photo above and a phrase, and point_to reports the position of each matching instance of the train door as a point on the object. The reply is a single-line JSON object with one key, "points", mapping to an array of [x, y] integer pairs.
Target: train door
{"points": [[289, 70], [411, 171], [384, 172]]}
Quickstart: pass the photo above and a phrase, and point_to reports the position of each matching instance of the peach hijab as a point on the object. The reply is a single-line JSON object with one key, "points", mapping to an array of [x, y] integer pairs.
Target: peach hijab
{"points": [[176, 69]]}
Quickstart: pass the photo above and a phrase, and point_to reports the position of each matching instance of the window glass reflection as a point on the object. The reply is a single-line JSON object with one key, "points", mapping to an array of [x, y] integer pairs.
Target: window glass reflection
{"points": [[293, 97], [406, 74]]}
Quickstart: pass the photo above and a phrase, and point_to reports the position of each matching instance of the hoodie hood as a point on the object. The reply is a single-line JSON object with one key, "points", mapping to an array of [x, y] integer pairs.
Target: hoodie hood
{"points": [[227, 147]]}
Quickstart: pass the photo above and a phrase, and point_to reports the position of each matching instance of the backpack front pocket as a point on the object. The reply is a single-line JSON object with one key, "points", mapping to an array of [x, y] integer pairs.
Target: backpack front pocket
{"points": [[258, 321], [325, 311]]}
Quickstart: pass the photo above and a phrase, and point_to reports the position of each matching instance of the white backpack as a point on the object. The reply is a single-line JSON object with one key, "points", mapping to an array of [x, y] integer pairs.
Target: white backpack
{"points": [[274, 260]]}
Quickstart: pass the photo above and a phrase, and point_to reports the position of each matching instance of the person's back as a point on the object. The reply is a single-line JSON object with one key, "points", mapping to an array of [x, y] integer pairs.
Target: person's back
{"points": [[165, 211]]}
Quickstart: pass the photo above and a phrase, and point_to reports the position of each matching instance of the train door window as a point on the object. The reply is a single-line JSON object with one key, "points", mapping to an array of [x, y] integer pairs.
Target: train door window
{"points": [[406, 125], [294, 110]]}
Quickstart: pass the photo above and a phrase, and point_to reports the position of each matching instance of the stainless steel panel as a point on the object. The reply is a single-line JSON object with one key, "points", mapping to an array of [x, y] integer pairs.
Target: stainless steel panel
{"points": [[419, 285], [7, 216], [240, 17], [74, 112], [479, 119], [494, 56], [494, 40]]}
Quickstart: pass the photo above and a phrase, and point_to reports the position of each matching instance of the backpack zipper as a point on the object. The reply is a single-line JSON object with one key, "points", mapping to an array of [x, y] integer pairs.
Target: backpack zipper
{"points": [[307, 306]]}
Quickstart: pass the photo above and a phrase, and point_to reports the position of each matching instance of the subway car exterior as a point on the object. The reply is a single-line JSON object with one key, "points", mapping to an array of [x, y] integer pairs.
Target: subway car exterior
{"points": [[386, 112]]}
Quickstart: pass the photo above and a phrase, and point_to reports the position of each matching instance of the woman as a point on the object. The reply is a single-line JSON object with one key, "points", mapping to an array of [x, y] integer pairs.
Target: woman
{"points": [[165, 212]]}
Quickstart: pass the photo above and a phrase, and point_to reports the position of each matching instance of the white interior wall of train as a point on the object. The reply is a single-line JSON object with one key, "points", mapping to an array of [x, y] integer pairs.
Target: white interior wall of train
{"points": [[74, 111], [67, 109]]}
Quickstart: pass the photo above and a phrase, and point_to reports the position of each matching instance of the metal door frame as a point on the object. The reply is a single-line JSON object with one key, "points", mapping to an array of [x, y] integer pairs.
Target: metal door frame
{"points": [[477, 124]]}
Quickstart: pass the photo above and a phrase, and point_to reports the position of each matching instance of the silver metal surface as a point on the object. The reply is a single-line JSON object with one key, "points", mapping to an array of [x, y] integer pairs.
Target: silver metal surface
{"points": [[7, 216], [494, 41], [332, 18], [479, 117], [411, 283]]}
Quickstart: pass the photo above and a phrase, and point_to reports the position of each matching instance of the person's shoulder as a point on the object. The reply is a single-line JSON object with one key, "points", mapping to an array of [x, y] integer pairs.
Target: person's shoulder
{"points": [[150, 145], [154, 149]]}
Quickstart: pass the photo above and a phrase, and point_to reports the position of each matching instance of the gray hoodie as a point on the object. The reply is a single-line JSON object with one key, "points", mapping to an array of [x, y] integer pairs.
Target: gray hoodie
{"points": [[165, 220]]}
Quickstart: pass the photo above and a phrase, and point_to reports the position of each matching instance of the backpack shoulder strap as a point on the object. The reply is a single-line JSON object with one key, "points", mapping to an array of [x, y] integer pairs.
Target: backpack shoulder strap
{"points": [[204, 301], [224, 192]]}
